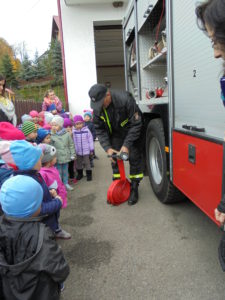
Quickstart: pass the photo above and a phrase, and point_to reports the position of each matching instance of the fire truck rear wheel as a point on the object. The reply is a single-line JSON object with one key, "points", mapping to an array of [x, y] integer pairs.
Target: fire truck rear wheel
{"points": [[156, 158]]}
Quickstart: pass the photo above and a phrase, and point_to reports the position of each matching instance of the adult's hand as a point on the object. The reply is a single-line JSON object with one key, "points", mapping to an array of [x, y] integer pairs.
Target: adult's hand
{"points": [[110, 152], [220, 217], [54, 112], [124, 149]]}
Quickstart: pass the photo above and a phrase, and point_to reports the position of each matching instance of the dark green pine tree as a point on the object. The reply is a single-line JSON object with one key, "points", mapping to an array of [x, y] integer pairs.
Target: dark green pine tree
{"points": [[56, 60], [8, 72], [40, 68], [35, 63], [27, 70]]}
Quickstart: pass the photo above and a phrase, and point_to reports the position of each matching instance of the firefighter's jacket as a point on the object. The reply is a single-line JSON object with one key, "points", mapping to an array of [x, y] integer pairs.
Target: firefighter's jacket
{"points": [[122, 119]]}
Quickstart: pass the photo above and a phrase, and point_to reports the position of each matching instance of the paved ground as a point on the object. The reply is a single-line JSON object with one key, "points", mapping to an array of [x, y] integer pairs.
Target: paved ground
{"points": [[148, 251]]}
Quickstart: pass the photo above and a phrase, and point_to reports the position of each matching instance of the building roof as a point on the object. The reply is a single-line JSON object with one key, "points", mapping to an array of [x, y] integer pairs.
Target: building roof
{"points": [[55, 27]]}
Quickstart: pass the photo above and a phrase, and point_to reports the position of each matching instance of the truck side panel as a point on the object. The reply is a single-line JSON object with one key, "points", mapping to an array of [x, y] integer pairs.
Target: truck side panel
{"points": [[196, 74], [197, 170]]}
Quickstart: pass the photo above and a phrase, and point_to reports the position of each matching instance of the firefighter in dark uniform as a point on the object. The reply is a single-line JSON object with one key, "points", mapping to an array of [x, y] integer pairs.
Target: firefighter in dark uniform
{"points": [[118, 123]]}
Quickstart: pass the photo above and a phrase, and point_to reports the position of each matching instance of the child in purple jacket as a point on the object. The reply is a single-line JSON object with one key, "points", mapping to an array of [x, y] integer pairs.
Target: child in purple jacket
{"points": [[84, 146]]}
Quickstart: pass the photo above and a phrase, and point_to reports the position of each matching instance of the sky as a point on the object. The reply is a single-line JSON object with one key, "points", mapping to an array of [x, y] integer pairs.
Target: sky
{"points": [[29, 21]]}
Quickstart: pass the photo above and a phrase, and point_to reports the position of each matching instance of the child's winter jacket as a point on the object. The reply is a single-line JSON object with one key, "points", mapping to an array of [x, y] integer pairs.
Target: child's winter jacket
{"points": [[32, 265], [52, 179], [49, 207], [83, 141], [64, 145]]}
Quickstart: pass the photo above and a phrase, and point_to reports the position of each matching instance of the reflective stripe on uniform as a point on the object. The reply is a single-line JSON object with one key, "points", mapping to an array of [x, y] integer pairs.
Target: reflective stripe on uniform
{"points": [[116, 175], [167, 149], [137, 176], [124, 123], [102, 118], [107, 120]]}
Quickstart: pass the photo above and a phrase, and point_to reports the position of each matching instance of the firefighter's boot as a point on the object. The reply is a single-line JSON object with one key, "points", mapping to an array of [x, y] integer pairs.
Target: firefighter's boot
{"points": [[79, 174], [133, 199]]}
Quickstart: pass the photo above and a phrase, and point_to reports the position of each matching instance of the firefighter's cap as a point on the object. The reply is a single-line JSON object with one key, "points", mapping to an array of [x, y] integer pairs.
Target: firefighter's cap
{"points": [[97, 94]]}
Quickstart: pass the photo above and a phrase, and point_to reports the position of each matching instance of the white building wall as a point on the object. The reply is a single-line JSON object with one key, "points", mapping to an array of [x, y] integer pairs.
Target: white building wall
{"points": [[78, 35]]}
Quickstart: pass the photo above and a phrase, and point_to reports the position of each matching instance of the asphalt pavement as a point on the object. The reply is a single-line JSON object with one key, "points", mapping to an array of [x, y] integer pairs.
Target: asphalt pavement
{"points": [[148, 251]]}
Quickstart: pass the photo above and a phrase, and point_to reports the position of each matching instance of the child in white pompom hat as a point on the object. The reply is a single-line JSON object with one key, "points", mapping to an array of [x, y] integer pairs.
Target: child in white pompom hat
{"points": [[62, 141]]}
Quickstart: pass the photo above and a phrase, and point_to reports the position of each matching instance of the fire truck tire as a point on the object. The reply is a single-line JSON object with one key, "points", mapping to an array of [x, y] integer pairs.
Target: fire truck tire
{"points": [[156, 160]]}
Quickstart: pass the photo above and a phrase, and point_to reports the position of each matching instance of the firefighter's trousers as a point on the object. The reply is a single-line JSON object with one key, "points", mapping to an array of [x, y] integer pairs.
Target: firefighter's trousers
{"points": [[135, 159]]}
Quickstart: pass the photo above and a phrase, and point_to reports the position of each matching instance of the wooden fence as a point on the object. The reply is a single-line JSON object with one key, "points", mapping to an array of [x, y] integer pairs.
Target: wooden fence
{"points": [[25, 106]]}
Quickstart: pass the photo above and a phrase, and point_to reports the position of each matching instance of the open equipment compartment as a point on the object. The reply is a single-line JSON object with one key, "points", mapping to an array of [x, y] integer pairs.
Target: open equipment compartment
{"points": [[130, 54], [146, 52]]}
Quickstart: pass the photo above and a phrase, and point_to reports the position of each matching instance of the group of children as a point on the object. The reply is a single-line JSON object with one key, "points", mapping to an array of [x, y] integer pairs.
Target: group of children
{"points": [[73, 139], [36, 160]]}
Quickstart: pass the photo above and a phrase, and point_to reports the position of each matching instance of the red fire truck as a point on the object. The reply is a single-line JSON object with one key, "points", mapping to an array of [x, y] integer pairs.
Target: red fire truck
{"points": [[174, 78]]}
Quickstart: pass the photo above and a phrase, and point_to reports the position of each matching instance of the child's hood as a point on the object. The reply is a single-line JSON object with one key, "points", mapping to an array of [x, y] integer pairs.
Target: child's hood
{"points": [[61, 132], [49, 174], [20, 243]]}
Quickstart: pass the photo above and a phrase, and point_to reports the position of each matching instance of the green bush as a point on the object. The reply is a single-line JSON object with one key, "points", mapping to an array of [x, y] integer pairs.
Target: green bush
{"points": [[36, 92]]}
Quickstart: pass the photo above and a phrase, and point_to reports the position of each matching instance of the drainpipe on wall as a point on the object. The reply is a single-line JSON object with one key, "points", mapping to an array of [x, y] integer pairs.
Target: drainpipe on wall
{"points": [[63, 55]]}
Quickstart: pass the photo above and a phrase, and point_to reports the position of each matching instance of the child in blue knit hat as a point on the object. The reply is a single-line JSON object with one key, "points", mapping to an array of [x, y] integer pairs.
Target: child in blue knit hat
{"points": [[26, 160], [89, 123], [29, 255], [43, 136]]}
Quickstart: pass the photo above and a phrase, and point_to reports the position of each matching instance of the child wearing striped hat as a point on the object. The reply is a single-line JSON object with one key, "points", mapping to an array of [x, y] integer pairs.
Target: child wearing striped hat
{"points": [[30, 131]]}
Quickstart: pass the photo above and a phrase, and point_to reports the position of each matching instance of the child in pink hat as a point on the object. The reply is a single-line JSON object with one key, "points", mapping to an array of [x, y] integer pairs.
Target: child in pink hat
{"points": [[34, 115], [9, 132]]}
